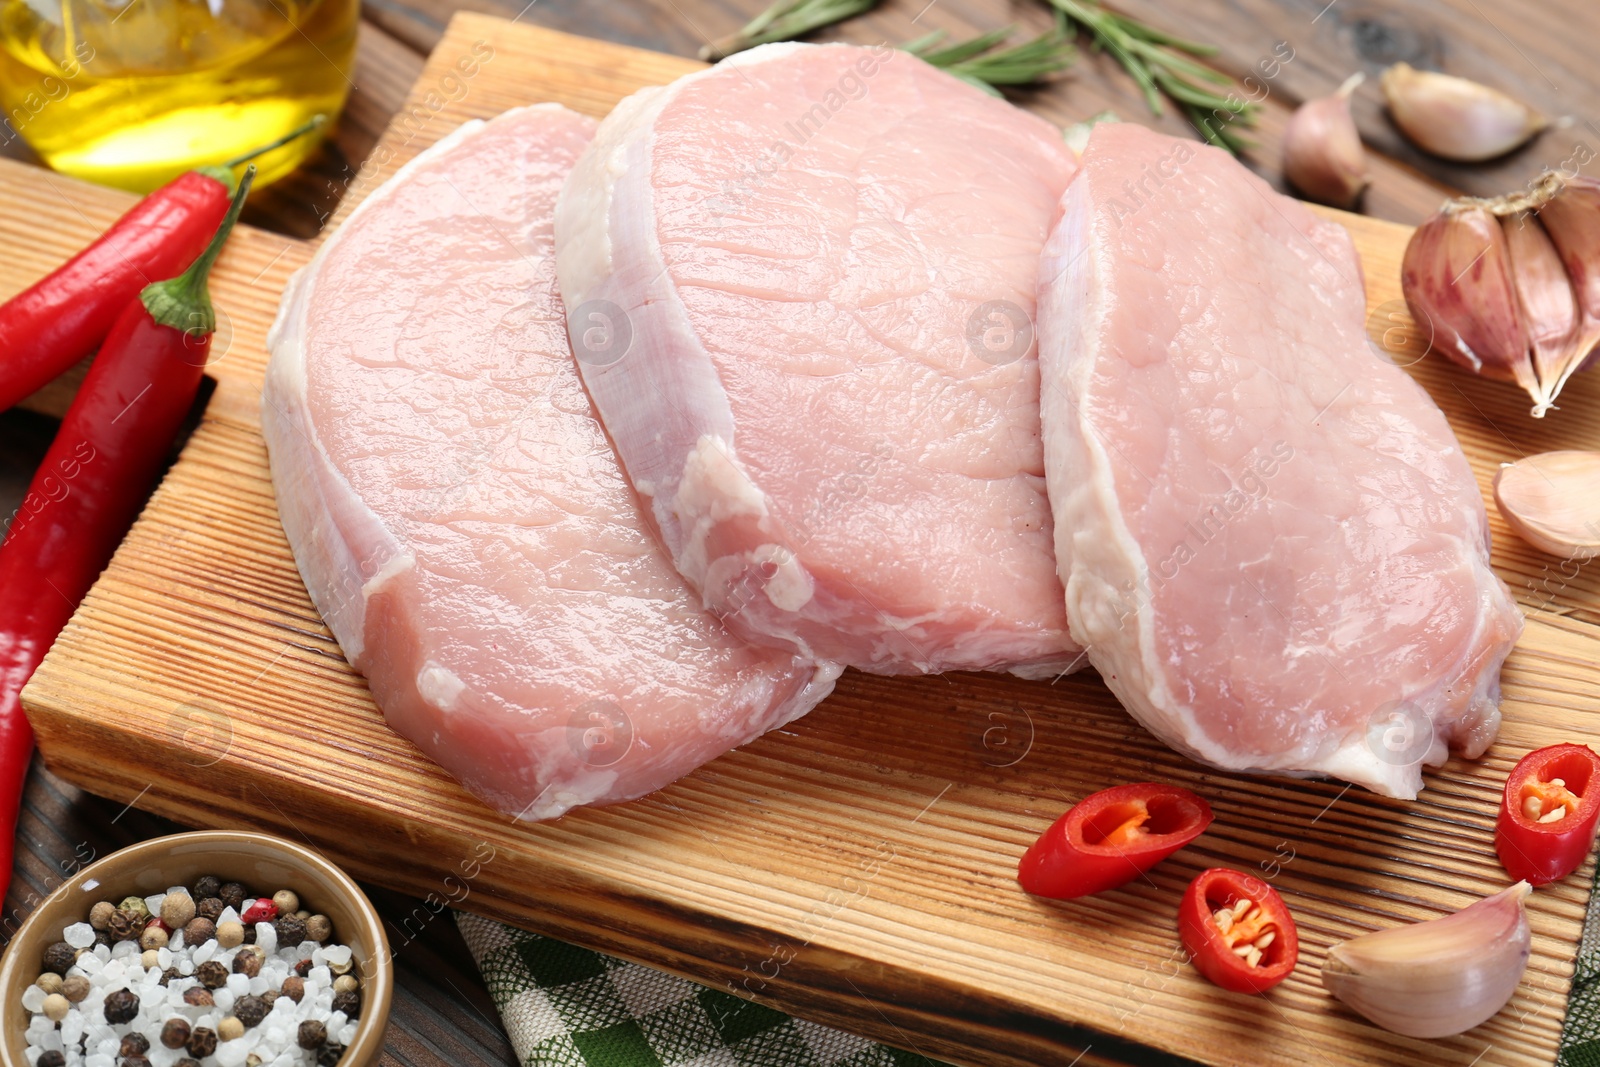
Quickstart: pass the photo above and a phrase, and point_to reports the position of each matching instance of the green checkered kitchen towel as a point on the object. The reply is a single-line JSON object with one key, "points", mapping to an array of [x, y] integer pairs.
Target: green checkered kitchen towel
{"points": [[565, 1006]]}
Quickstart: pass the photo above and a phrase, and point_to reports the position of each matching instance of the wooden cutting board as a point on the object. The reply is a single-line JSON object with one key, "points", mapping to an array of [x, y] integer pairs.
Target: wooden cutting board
{"points": [[855, 868]]}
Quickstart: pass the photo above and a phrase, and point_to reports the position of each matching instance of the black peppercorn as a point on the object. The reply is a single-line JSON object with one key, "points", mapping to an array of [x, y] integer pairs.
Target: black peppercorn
{"points": [[294, 987], [175, 1033], [121, 1006], [197, 931], [269, 998], [249, 933], [303, 968], [202, 1042], [187, 1062], [329, 1056], [212, 974], [232, 894], [60, 957], [291, 931], [311, 1034], [247, 963], [103, 937], [348, 1002], [250, 1010], [210, 908], [134, 1045], [52, 1059], [169, 974], [126, 925], [207, 885], [133, 1061], [197, 997]]}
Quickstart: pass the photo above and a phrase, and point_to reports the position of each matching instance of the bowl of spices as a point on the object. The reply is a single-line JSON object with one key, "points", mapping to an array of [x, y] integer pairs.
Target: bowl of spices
{"points": [[205, 949]]}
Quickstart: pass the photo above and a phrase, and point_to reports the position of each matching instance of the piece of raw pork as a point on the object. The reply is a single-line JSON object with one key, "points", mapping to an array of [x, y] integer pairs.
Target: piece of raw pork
{"points": [[800, 287], [458, 515], [1272, 544]]}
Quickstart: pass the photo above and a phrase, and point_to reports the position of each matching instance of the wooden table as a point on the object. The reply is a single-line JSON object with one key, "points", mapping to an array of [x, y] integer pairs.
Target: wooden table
{"points": [[1538, 50]]}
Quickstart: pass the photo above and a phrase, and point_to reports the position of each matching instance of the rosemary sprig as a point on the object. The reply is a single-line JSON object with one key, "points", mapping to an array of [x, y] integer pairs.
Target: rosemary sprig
{"points": [[784, 21], [1159, 65], [982, 62]]}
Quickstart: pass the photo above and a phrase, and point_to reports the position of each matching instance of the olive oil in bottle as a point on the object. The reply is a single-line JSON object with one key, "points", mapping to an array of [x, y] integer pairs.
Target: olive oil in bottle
{"points": [[132, 93]]}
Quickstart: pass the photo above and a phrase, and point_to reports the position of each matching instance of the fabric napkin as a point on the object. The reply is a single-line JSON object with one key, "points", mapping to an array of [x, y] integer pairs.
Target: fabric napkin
{"points": [[565, 1006]]}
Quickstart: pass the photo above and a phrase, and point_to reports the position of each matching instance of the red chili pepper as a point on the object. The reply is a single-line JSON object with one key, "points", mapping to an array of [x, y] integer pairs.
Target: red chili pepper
{"points": [[62, 318], [1224, 912], [101, 466], [1110, 838], [262, 910], [1549, 813]]}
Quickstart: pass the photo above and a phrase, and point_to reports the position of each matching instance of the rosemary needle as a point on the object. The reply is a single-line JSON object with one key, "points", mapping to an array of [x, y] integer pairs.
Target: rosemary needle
{"points": [[985, 64], [784, 21], [1158, 64]]}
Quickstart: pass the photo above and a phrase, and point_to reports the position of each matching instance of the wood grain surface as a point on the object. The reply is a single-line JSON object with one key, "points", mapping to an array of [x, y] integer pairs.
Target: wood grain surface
{"points": [[855, 868]]}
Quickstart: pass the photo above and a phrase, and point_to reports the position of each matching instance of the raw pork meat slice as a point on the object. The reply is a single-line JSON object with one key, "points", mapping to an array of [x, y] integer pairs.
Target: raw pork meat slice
{"points": [[458, 514], [1272, 545], [800, 288]]}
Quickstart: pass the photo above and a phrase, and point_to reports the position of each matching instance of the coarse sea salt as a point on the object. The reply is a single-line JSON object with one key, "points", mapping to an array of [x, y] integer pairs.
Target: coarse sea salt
{"points": [[86, 1040]]}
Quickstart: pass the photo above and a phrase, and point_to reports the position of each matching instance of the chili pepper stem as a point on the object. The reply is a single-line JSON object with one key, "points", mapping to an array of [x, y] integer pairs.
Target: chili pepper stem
{"points": [[223, 172], [184, 302]]}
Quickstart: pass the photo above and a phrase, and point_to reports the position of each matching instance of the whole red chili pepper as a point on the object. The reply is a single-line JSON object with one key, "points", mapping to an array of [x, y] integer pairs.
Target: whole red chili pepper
{"points": [[62, 318], [1111, 837], [1548, 813], [1237, 931], [88, 490]]}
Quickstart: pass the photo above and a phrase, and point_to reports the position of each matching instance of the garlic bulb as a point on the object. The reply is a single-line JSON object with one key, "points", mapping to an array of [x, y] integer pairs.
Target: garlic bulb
{"points": [[1322, 153], [1510, 287], [1436, 978], [1553, 501], [1454, 117]]}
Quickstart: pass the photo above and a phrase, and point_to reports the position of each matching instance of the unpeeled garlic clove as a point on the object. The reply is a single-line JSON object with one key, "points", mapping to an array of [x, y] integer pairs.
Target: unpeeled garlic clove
{"points": [[1456, 276], [1552, 501], [1454, 117], [1549, 309], [1437, 978], [1572, 219], [1322, 153]]}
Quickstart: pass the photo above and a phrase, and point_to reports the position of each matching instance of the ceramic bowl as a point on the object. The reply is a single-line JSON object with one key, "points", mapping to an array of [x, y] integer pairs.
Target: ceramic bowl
{"points": [[260, 862]]}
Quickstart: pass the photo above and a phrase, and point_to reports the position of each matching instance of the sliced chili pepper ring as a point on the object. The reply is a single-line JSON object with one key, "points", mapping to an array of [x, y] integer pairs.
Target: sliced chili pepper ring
{"points": [[1237, 931], [1549, 813], [1111, 837]]}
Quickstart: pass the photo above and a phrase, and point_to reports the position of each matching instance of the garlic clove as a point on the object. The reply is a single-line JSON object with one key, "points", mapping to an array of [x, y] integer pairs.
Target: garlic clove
{"points": [[1454, 117], [1456, 276], [1549, 309], [1322, 153], [1437, 978], [1572, 219], [1552, 501]]}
